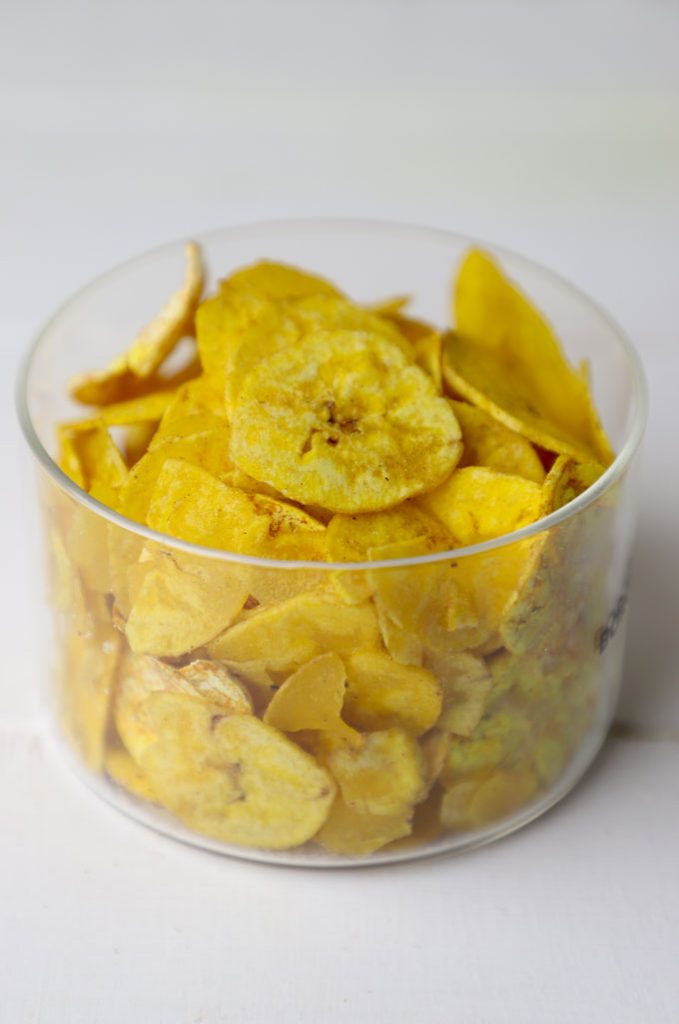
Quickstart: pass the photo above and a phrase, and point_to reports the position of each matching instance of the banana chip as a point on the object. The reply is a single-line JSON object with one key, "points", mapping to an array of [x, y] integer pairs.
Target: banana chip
{"points": [[475, 802], [487, 442], [142, 675], [386, 775], [209, 450], [181, 605], [466, 684], [476, 504], [191, 504], [91, 459], [356, 834], [497, 741], [508, 361], [87, 677], [357, 538], [233, 778], [151, 346], [312, 698], [278, 281], [126, 773], [382, 694], [287, 635], [342, 420], [335, 313]]}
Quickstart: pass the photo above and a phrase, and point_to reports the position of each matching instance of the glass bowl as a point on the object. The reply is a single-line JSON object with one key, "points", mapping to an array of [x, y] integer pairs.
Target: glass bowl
{"points": [[475, 732]]}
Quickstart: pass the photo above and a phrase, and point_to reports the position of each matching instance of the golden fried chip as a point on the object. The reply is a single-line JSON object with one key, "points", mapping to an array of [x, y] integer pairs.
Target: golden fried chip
{"points": [[151, 346], [182, 603], [427, 352], [386, 775], [335, 313], [382, 694], [136, 439], [145, 409], [498, 740], [197, 406], [568, 480], [466, 684], [312, 698], [210, 450], [487, 442], [563, 570], [476, 504], [289, 634], [404, 647], [435, 746], [424, 600], [141, 675], [236, 330], [343, 421], [356, 834], [122, 769], [356, 538], [191, 504], [389, 307], [91, 458], [475, 802], [508, 360], [233, 778], [278, 281], [86, 681]]}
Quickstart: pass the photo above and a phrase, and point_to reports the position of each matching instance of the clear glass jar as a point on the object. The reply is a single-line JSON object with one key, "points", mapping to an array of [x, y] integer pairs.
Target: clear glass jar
{"points": [[166, 656]]}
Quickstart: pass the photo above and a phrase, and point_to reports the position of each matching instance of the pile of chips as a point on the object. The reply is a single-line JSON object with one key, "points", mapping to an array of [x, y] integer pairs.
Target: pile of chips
{"points": [[269, 704]]}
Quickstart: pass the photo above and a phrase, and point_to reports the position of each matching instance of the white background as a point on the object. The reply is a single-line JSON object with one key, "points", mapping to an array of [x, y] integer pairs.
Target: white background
{"points": [[552, 128]]}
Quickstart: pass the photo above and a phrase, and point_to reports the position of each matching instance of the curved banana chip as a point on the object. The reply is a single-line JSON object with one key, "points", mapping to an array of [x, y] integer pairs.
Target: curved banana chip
{"points": [[344, 421]]}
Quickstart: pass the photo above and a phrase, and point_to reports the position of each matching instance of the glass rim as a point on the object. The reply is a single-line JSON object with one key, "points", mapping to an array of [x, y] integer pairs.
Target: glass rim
{"points": [[611, 475]]}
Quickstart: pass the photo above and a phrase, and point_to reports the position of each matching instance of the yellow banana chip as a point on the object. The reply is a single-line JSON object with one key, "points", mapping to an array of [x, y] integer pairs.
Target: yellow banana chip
{"points": [[342, 420], [181, 605], [278, 281], [289, 634], [236, 330], [507, 360], [404, 646], [197, 406], [151, 346], [312, 698], [424, 601], [356, 834], [497, 740], [191, 504], [91, 458], [476, 504], [125, 772], [382, 694], [487, 442], [136, 439], [386, 775], [143, 675], [356, 538], [210, 450], [86, 683], [335, 313], [562, 567], [233, 778], [466, 684], [475, 802], [145, 409]]}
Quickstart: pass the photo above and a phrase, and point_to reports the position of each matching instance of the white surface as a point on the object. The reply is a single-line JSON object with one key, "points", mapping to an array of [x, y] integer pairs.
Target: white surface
{"points": [[553, 129]]}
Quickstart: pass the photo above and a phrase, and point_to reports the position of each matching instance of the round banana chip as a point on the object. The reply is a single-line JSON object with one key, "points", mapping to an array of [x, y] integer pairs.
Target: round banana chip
{"points": [[344, 421], [233, 777]]}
